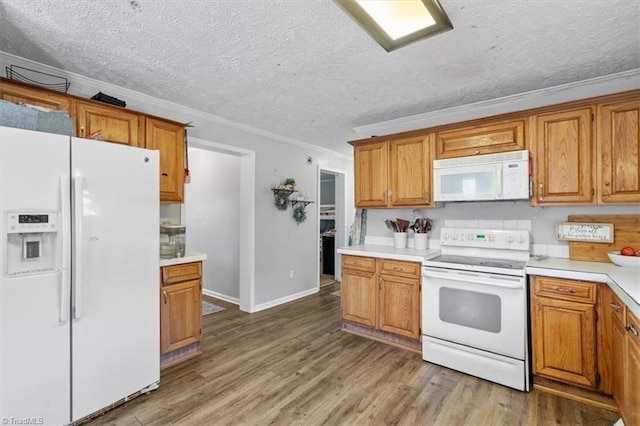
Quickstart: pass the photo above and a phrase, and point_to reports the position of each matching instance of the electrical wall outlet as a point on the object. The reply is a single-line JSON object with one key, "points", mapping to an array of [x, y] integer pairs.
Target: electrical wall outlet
{"points": [[291, 274]]}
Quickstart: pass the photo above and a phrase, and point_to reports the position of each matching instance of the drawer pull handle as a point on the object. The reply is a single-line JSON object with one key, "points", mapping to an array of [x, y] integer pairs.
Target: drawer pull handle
{"points": [[632, 330], [396, 268], [615, 306], [358, 263], [426, 196], [164, 293], [563, 290]]}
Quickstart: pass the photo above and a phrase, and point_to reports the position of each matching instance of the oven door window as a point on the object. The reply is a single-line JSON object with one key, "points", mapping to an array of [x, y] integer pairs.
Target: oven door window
{"points": [[480, 311]]}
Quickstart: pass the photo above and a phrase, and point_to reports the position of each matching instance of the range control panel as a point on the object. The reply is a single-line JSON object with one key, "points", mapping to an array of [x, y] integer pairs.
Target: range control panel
{"points": [[512, 239]]}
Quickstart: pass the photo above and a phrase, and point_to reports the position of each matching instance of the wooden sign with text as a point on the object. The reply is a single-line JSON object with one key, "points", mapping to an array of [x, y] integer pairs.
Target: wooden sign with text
{"points": [[592, 232]]}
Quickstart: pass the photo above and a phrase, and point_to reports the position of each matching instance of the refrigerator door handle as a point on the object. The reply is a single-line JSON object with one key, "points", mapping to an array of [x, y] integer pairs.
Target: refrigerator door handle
{"points": [[65, 292], [77, 249]]}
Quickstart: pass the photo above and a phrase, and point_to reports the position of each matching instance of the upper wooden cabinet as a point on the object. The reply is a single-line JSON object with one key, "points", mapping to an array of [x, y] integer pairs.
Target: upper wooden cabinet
{"points": [[488, 138], [168, 138], [563, 155], [619, 152], [32, 96], [394, 173], [410, 172], [371, 162], [116, 124]]}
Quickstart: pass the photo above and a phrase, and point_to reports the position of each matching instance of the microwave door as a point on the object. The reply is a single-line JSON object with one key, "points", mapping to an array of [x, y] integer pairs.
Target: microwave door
{"points": [[468, 183]]}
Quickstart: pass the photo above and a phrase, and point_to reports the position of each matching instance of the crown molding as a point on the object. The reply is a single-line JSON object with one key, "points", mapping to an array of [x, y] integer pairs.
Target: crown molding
{"points": [[599, 86], [142, 99]]}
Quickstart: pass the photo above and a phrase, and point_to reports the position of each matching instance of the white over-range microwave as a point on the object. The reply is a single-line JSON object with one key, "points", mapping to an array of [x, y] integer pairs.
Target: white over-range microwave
{"points": [[503, 176]]}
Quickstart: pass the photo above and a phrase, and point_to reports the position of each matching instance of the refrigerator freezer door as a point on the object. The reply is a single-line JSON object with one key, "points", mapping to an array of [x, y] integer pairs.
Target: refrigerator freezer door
{"points": [[115, 326], [34, 333]]}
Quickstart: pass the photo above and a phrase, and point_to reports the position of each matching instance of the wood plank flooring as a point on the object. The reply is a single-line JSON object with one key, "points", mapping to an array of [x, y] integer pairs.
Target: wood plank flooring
{"points": [[292, 365]]}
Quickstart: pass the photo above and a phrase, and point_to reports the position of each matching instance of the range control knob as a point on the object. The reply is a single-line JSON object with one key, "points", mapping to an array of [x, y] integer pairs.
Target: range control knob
{"points": [[521, 239], [510, 239], [445, 236], [454, 237]]}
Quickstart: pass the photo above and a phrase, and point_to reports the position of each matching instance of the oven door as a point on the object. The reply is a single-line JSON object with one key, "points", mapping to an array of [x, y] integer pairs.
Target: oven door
{"points": [[475, 309]]}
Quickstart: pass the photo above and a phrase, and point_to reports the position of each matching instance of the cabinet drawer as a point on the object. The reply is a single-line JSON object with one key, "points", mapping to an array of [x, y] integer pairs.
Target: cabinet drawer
{"points": [[399, 268], [358, 262], [566, 289], [618, 308], [184, 272]]}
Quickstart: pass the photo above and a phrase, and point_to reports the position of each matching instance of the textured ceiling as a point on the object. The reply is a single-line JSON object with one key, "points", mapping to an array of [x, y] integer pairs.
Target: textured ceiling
{"points": [[303, 70]]}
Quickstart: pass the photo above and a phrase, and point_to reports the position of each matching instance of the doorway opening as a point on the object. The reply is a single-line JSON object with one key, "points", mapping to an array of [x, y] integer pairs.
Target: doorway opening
{"points": [[331, 223], [214, 215]]}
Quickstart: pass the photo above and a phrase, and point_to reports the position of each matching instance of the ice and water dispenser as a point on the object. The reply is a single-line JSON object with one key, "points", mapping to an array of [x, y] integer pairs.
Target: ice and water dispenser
{"points": [[31, 243]]}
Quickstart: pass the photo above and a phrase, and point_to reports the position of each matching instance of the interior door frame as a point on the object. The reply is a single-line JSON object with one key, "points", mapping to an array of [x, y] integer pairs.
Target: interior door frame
{"points": [[341, 238], [247, 235]]}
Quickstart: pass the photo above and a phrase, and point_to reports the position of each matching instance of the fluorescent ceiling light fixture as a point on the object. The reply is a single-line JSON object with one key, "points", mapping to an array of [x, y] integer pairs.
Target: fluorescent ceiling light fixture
{"points": [[396, 23]]}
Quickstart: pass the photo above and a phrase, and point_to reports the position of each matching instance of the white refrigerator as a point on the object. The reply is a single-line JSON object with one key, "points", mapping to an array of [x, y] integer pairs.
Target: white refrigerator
{"points": [[79, 307]]}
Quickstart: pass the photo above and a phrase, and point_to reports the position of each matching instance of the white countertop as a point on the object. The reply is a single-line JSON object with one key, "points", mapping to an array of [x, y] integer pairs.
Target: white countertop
{"points": [[189, 256], [624, 282], [389, 252]]}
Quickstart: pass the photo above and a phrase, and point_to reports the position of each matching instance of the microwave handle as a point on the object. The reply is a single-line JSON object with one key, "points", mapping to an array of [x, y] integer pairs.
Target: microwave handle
{"points": [[499, 175]]}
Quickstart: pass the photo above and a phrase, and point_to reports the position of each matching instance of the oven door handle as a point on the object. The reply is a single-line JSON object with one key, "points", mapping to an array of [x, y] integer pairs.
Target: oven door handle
{"points": [[471, 277]]}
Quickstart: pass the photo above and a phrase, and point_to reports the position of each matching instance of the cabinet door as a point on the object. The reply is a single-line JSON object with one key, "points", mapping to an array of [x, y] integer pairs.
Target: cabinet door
{"points": [[619, 155], [168, 138], [181, 315], [399, 306], [564, 158], [487, 138], [564, 341], [117, 125], [410, 172], [371, 162], [631, 409], [618, 350], [43, 98], [359, 297]]}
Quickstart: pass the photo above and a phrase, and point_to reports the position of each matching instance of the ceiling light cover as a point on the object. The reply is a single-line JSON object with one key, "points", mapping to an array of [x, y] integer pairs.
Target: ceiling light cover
{"points": [[396, 23]]}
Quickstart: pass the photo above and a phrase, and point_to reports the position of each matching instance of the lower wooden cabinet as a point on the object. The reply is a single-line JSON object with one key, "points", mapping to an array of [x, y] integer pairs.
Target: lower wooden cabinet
{"points": [[180, 312], [584, 335], [563, 328], [382, 295], [625, 361]]}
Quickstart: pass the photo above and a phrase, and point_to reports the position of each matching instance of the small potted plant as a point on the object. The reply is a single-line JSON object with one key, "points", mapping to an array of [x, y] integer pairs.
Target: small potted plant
{"points": [[289, 183]]}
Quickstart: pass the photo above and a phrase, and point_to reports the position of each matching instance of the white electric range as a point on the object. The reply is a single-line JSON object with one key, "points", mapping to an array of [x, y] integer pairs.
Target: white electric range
{"points": [[474, 305]]}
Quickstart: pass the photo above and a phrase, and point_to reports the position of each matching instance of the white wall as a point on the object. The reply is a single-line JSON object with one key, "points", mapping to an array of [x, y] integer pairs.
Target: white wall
{"points": [[280, 244], [212, 217]]}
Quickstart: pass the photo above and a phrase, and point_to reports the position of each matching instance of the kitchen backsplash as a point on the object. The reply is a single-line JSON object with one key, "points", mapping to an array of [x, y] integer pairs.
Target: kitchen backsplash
{"points": [[540, 221]]}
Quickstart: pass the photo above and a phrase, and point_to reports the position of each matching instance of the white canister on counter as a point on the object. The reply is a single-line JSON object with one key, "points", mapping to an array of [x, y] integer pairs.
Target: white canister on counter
{"points": [[421, 241], [400, 240]]}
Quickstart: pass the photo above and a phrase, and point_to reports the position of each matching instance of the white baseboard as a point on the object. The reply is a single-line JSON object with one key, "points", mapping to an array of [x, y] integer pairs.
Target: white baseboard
{"points": [[234, 300], [271, 304]]}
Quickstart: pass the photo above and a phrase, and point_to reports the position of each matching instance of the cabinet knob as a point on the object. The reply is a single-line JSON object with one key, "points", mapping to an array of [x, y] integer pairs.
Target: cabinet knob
{"points": [[632, 330], [477, 151]]}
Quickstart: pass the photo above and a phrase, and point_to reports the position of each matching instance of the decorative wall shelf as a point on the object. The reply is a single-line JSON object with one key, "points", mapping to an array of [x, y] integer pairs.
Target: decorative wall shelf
{"points": [[305, 203]]}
